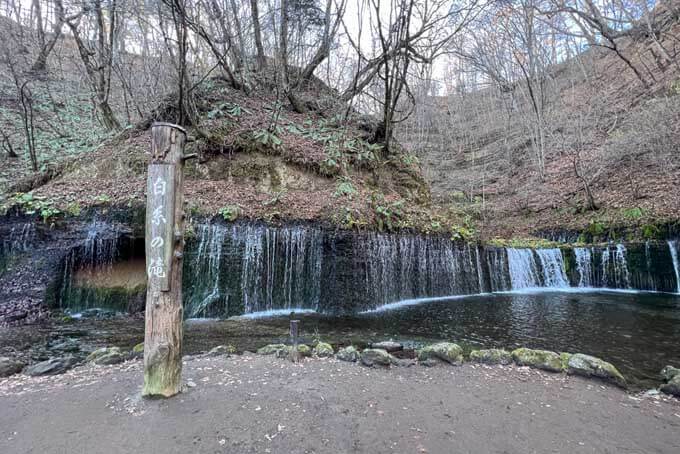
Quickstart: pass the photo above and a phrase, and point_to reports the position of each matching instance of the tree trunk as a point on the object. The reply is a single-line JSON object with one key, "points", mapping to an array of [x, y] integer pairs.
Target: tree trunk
{"points": [[164, 249], [40, 64], [261, 60]]}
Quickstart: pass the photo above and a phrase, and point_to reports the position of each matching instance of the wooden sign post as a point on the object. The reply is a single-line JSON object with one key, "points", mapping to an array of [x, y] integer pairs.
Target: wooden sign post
{"points": [[164, 249]]}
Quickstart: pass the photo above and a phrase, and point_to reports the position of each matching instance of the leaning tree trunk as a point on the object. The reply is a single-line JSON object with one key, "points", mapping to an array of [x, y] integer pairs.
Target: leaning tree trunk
{"points": [[164, 249]]}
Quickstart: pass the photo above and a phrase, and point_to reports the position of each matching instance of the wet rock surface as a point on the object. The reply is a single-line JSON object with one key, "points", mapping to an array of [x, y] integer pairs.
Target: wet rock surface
{"points": [[323, 350], [374, 357], [671, 376], [222, 350], [348, 354], [491, 356], [388, 346], [51, 366], [444, 351], [540, 359], [271, 349], [668, 372], [590, 366], [10, 366]]}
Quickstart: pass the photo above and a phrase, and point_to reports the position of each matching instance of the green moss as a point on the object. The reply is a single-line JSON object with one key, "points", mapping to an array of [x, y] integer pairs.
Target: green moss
{"points": [[564, 358], [445, 351], [540, 359], [230, 213], [633, 213], [491, 356], [270, 349], [323, 350], [651, 232], [531, 243]]}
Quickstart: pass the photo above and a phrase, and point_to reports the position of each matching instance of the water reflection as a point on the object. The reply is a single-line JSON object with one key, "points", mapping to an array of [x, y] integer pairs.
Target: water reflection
{"points": [[639, 333]]}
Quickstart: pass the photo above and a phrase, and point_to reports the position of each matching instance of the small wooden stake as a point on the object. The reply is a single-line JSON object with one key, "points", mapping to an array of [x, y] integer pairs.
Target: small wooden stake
{"points": [[164, 249], [294, 353]]}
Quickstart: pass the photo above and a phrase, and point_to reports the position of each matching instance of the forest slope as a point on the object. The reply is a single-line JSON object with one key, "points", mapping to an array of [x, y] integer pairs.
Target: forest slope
{"points": [[603, 128]]}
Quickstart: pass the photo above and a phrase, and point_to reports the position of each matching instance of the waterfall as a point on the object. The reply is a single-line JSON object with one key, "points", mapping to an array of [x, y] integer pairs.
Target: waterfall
{"points": [[584, 262], [552, 264], [614, 267], [497, 266], [673, 247], [20, 238], [206, 268], [246, 268], [526, 272], [97, 253], [523, 269]]}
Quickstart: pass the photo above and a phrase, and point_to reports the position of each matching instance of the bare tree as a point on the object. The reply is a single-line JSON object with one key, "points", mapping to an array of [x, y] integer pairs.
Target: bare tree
{"points": [[97, 57]]}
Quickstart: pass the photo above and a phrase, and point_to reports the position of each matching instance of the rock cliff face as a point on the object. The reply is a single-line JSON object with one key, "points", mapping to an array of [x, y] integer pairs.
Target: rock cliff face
{"points": [[246, 267]]}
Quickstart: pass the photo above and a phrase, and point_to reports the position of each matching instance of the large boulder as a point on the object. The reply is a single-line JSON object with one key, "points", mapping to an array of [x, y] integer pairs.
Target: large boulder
{"points": [[52, 366], [539, 359], [9, 366], [590, 366], [106, 356], [491, 356], [349, 354], [376, 357], [323, 350], [443, 351]]}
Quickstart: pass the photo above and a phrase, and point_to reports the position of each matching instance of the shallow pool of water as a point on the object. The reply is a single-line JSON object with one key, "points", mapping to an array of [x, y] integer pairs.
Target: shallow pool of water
{"points": [[638, 332]]}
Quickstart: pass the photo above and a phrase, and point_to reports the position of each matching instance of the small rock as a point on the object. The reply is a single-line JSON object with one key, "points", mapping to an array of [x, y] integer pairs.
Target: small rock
{"points": [[376, 357], [431, 362], [590, 366], [105, 356], [303, 351], [110, 358], [388, 346], [668, 372], [349, 354], [138, 350], [672, 387], [67, 346], [271, 349], [445, 351], [52, 366], [323, 350], [222, 350], [405, 362], [191, 384], [491, 356], [539, 359], [9, 366]]}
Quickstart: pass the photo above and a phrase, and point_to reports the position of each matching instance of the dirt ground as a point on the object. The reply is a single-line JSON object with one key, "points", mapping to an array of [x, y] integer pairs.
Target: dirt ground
{"points": [[254, 404]]}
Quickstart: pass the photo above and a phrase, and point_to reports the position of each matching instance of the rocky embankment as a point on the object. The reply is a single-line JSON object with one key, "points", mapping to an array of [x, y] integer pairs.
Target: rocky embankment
{"points": [[63, 356]]}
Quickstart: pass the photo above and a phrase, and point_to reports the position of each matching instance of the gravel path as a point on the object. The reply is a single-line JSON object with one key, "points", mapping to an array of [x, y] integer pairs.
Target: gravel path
{"points": [[254, 404]]}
